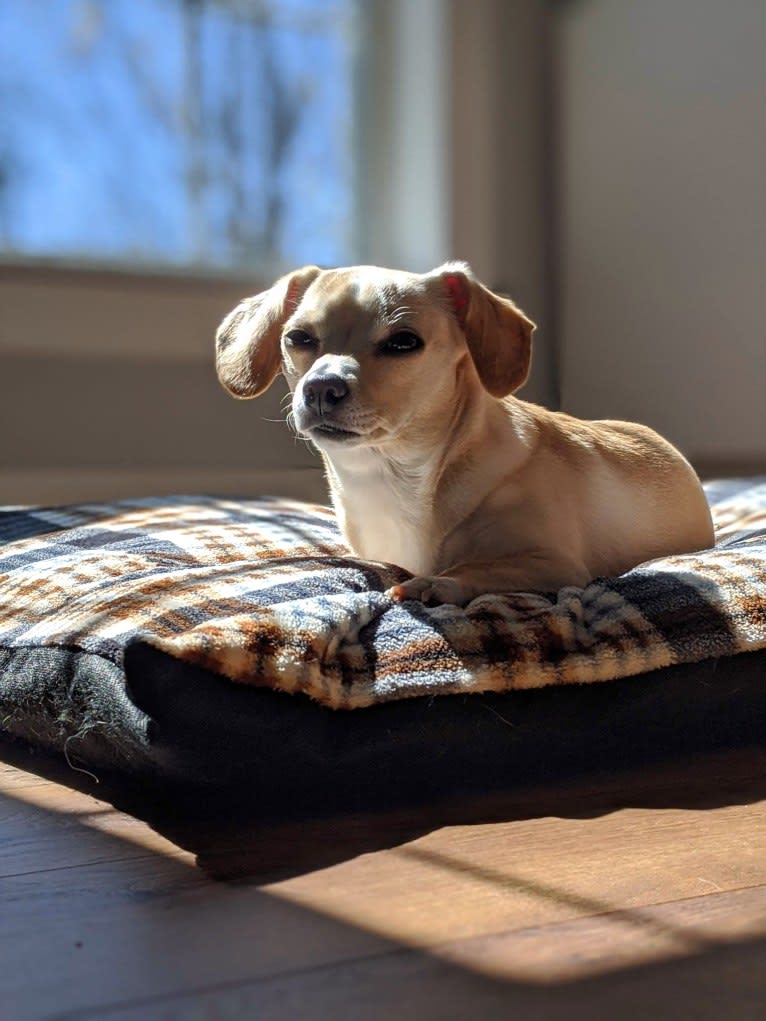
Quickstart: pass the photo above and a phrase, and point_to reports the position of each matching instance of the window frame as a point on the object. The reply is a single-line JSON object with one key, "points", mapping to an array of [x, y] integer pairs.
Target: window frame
{"points": [[444, 109]]}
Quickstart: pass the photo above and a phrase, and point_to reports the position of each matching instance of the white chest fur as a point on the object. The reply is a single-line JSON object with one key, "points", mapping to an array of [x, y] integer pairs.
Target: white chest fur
{"points": [[385, 511]]}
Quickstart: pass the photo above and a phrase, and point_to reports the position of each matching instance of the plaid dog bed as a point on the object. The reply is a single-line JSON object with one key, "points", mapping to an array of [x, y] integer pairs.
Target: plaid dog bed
{"points": [[264, 593]]}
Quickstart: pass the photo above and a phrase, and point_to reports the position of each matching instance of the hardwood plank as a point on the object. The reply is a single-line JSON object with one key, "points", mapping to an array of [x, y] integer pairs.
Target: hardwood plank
{"points": [[724, 982], [45, 826], [12, 778], [545, 886], [71, 939], [600, 944], [462, 881], [96, 905]]}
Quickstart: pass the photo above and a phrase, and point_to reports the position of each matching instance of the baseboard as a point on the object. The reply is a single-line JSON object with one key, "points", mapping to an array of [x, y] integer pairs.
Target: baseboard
{"points": [[59, 486], [728, 468]]}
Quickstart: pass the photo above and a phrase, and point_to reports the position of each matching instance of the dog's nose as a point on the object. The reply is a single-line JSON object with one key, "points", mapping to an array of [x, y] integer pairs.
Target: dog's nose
{"points": [[322, 393]]}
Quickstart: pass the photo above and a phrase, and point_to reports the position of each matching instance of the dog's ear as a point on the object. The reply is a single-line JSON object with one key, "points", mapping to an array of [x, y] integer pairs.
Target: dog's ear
{"points": [[498, 333], [247, 352]]}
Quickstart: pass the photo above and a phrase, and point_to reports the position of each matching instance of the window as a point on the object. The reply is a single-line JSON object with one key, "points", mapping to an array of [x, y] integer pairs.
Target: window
{"points": [[216, 133]]}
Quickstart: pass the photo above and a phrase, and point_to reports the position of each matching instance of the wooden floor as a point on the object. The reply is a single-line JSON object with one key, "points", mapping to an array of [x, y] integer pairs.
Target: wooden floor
{"points": [[639, 895]]}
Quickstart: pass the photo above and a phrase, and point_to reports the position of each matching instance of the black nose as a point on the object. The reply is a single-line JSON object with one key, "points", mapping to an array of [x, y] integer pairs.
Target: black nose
{"points": [[322, 393]]}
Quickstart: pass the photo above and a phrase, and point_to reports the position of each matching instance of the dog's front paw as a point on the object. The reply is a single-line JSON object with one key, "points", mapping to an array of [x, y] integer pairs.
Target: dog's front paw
{"points": [[431, 591]]}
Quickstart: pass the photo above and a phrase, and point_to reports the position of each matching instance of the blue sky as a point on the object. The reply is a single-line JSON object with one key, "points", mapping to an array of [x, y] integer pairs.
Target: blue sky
{"points": [[115, 145]]}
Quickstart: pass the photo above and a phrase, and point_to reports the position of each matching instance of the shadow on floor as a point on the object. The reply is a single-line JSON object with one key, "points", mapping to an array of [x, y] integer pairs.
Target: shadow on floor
{"points": [[237, 838]]}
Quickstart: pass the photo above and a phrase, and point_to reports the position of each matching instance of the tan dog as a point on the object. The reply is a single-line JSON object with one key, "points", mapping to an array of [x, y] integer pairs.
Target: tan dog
{"points": [[403, 382]]}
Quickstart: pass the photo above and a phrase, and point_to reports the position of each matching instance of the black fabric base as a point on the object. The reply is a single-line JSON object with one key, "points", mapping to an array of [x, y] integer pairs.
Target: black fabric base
{"points": [[173, 724], [286, 747], [75, 703]]}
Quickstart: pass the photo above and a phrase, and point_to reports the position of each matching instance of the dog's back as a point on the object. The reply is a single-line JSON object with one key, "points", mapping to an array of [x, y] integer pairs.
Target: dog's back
{"points": [[638, 498]]}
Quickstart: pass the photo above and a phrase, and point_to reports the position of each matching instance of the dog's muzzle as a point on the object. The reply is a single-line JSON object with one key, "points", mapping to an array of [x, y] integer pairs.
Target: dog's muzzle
{"points": [[324, 393], [321, 398]]}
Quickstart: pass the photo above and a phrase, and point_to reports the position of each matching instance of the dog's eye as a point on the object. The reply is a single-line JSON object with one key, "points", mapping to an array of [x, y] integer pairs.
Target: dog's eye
{"points": [[400, 343], [299, 338]]}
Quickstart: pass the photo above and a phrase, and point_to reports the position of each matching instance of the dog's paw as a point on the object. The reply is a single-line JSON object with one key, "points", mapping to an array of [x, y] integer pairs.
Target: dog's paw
{"points": [[431, 591]]}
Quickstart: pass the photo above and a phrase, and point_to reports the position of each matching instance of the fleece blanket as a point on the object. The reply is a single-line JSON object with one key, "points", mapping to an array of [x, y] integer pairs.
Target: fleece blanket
{"points": [[264, 593]]}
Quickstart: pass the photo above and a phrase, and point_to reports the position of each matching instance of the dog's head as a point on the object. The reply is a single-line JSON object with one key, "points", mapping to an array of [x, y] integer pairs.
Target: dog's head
{"points": [[374, 356]]}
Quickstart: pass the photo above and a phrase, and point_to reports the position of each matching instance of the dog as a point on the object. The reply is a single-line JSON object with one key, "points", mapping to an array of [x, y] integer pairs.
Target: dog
{"points": [[404, 383]]}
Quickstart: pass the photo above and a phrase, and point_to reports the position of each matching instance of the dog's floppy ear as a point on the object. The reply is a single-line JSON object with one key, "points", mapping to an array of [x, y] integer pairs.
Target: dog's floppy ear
{"points": [[498, 333], [247, 352]]}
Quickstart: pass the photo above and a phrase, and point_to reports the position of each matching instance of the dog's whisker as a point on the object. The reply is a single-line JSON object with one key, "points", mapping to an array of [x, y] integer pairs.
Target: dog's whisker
{"points": [[402, 312]]}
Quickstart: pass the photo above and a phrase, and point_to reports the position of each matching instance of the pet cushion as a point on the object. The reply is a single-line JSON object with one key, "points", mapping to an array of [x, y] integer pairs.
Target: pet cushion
{"points": [[118, 621]]}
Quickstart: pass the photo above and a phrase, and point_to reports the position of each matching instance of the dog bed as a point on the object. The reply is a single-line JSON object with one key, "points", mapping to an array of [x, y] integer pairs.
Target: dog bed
{"points": [[216, 639]]}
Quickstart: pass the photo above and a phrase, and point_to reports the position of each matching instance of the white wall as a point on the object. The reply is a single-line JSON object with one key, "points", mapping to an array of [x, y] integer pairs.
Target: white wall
{"points": [[499, 174], [108, 389], [663, 198], [454, 137], [655, 313]]}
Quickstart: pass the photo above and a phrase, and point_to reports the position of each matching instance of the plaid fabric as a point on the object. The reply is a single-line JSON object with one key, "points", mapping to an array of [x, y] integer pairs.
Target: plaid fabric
{"points": [[265, 593]]}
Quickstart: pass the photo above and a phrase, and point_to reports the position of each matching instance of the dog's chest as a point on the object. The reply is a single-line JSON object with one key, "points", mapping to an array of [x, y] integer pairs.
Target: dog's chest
{"points": [[385, 518]]}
